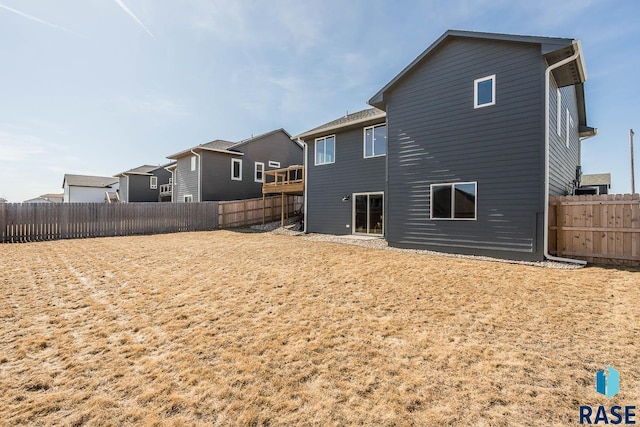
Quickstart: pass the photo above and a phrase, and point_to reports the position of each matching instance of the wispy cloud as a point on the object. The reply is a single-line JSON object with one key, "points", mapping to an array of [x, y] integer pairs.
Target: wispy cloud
{"points": [[133, 15], [41, 21], [156, 106]]}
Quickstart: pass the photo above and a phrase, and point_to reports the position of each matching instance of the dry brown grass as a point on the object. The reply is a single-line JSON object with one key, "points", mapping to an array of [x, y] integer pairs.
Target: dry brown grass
{"points": [[259, 329]]}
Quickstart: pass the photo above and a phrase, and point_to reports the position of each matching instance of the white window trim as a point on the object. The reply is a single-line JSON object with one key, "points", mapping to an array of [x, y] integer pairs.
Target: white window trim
{"points": [[193, 163], [187, 196], [255, 172], [353, 213], [567, 137], [493, 91], [153, 182], [364, 142], [558, 112], [239, 161], [315, 151], [453, 206], [274, 164]]}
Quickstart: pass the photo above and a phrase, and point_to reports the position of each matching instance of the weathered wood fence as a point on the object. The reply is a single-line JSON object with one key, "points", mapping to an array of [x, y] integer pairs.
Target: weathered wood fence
{"points": [[601, 229], [30, 222]]}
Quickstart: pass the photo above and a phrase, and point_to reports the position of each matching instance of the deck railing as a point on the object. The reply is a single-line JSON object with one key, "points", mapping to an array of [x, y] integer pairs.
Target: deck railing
{"points": [[165, 190], [287, 180]]}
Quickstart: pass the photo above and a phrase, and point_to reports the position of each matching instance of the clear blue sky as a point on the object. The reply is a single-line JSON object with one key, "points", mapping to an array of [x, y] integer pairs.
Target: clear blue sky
{"points": [[101, 86]]}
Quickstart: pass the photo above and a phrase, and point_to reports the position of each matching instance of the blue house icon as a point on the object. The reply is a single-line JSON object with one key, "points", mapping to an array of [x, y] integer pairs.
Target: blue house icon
{"points": [[608, 382]]}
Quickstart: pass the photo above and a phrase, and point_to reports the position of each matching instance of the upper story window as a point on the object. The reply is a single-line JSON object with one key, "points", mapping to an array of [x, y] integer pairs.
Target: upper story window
{"points": [[484, 91], [375, 141], [274, 164], [236, 169], [325, 150], [193, 163], [258, 175], [153, 182], [454, 201], [558, 112], [569, 124]]}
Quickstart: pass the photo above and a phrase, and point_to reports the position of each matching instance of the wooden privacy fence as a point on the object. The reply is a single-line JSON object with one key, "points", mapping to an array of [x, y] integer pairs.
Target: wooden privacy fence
{"points": [[30, 222], [255, 211], [601, 229]]}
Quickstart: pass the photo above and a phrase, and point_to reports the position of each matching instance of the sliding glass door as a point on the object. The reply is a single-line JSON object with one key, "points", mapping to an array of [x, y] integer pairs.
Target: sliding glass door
{"points": [[368, 213]]}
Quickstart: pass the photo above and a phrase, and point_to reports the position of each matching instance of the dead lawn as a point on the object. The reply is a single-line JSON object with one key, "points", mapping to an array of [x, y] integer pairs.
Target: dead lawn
{"points": [[259, 329]]}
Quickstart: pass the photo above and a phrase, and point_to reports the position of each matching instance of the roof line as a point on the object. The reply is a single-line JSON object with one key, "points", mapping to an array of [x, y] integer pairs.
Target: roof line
{"points": [[340, 126]]}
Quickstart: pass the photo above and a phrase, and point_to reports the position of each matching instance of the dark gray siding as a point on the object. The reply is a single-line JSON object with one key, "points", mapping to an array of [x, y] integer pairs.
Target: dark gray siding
{"points": [[436, 136], [328, 184], [562, 159], [216, 179], [140, 186], [186, 179]]}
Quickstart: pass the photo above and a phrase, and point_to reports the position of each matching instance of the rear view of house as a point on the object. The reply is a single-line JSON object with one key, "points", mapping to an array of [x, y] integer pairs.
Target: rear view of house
{"points": [[224, 170]]}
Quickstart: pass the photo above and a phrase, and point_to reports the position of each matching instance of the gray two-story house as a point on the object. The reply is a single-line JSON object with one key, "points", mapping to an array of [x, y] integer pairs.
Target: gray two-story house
{"points": [[143, 184], [223, 170], [481, 128]]}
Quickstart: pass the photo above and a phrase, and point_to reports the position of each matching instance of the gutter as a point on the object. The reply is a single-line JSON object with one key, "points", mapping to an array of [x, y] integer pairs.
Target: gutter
{"points": [[199, 174], [304, 195], [547, 76]]}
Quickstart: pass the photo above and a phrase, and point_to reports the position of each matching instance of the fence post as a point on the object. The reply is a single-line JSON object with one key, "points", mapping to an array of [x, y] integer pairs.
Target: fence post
{"points": [[559, 232]]}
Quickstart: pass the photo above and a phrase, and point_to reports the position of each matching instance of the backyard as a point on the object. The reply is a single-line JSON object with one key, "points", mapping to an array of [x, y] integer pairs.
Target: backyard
{"points": [[239, 328]]}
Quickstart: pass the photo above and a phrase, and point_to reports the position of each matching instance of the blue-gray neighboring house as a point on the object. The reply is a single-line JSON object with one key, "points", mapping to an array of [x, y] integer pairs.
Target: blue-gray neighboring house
{"points": [[145, 183], [480, 129], [224, 170]]}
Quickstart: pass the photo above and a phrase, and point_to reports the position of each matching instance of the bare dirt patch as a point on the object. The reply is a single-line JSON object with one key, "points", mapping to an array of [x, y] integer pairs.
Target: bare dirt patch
{"points": [[262, 329]]}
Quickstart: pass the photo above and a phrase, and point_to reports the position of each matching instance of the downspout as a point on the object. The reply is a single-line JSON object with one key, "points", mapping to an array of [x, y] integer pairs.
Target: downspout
{"points": [[199, 175], [304, 195], [547, 85]]}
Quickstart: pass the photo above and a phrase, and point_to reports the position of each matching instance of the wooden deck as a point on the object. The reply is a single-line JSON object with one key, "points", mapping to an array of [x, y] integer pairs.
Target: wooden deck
{"points": [[284, 181]]}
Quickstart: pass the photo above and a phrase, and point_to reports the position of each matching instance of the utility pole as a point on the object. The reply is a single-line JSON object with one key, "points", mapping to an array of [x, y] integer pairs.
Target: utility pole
{"points": [[633, 179]]}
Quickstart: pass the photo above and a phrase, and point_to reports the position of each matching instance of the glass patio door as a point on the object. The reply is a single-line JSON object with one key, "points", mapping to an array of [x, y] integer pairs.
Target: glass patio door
{"points": [[368, 213]]}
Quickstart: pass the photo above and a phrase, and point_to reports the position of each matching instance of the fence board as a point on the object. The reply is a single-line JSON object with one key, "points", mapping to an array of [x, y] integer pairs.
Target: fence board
{"points": [[602, 229]]}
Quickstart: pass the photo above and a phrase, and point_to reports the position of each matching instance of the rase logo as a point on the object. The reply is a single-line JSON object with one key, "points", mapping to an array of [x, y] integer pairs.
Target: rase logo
{"points": [[608, 384]]}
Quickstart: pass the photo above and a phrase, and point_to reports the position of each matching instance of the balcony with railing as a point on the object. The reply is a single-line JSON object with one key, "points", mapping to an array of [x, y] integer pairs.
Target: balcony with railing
{"points": [[284, 181]]}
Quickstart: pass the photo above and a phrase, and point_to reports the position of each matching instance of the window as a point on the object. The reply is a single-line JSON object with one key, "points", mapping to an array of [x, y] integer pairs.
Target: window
{"points": [[170, 180], [153, 182], [258, 175], [569, 125], [368, 209], [236, 169], [273, 164], [558, 112], [454, 201], [193, 163], [188, 198], [484, 91], [375, 141], [325, 150]]}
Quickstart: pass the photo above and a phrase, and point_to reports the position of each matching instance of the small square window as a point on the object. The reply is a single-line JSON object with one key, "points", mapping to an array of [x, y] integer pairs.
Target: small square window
{"points": [[236, 169], [375, 141], [484, 91]]}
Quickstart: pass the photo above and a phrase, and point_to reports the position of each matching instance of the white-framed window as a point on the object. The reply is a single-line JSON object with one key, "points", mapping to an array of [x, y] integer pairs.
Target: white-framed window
{"points": [[153, 182], [236, 169], [188, 198], [193, 163], [375, 141], [558, 112], [273, 164], [170, 180], [258, 172], [569, 125], [325, 150], [454, 201], [484, 91]]}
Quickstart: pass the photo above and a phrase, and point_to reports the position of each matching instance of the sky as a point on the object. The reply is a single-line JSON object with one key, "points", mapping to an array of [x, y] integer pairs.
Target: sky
{"points": [[97, 87]]}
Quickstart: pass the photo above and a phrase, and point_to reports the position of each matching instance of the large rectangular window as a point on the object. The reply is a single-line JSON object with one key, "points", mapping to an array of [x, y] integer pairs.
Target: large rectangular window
{"points": [[236, 169], [153, 182], [368, 211], [454, 201], [259, 172], [325, 150], [484, 91], [193, 163], [375, 141]]}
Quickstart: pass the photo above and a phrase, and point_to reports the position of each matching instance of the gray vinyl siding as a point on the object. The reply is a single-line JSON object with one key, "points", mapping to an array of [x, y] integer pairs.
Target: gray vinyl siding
{"points": [[186, 179], [140, 186], [436, 136], [328, 184], [563, 160]]}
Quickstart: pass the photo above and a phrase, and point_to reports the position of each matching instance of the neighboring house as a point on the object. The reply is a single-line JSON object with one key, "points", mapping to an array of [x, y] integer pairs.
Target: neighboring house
{"points": [[470, 125], [346, 179], [3, 200], [601, 181], [88, 189], [144, 184], [47, 198], [224, 170]]}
